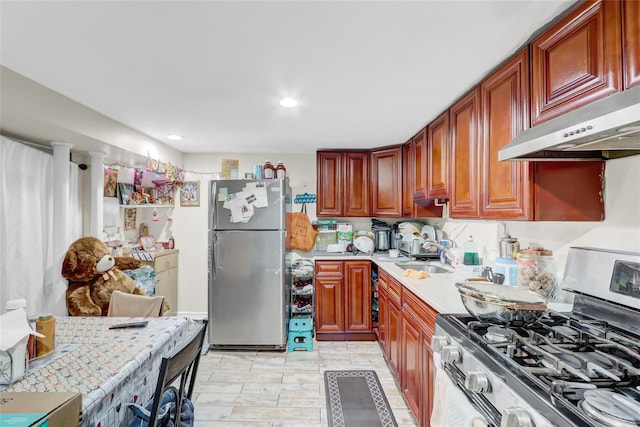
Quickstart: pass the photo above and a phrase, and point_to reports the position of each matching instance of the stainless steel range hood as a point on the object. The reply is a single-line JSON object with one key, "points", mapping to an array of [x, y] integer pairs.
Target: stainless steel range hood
{"points": [[606, 129]]}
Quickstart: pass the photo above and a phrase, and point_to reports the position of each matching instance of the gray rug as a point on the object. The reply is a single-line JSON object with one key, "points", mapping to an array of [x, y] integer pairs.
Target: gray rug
{"points": [[356, 399]]}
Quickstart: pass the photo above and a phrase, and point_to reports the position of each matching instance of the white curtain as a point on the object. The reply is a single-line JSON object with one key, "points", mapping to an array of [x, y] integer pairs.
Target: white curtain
{"points": [[28, 267]]}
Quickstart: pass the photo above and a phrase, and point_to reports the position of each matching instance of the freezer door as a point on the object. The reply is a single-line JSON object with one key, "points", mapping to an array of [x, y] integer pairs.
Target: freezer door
{"points": [[268, 199], [247, 304]]}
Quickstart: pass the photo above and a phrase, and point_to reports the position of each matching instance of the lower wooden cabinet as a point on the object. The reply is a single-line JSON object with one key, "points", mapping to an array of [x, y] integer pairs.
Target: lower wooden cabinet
{"points": [[343, 301]]}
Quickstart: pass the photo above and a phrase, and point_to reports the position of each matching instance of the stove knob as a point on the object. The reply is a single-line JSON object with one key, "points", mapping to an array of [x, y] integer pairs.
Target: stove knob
{"points": [[450, 354], [516, 417], [477, 381], [438, 342]]}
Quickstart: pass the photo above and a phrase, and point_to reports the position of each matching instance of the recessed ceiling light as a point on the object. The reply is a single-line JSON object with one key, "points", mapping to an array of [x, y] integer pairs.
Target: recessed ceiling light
{"points": [[288, 102], [174, 137]]}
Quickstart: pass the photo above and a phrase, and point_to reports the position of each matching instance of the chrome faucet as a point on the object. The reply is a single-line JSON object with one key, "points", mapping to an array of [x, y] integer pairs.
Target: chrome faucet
{"points": [[443, 251]]}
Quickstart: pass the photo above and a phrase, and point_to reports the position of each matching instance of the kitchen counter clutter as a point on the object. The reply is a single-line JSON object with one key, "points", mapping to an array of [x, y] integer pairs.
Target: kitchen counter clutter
{"points": [[438, 290]]}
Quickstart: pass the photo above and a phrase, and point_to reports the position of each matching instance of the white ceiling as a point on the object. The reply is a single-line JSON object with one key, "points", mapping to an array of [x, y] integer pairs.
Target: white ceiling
{"points": [[366, 73]]}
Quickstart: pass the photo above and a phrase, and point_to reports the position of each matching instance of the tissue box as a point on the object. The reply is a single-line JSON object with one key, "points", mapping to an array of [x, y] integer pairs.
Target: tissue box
{"points": [[14, 362], [40, 409]]}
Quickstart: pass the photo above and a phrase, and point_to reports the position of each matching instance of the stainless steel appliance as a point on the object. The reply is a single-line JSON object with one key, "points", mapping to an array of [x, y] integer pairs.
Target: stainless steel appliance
{"points": [[604, 129], [383, 238], [247, 263], [580, 368]]}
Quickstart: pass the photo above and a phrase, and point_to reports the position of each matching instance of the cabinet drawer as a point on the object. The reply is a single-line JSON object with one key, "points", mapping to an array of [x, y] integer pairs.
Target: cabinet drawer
{"points": [[329, 268], [383, 279], [421, 310], [165, 262], [395, 290]]}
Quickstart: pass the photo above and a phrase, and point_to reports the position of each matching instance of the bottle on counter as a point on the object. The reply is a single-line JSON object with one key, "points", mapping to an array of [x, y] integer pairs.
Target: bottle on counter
{"points": [[172, 243], [471, 253], [46, 325], [268, 171], [281, 171]]}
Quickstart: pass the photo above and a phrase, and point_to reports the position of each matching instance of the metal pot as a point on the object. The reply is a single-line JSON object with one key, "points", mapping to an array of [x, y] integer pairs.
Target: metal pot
{"points": [[383, 238], [501, 304], [509, 247]]}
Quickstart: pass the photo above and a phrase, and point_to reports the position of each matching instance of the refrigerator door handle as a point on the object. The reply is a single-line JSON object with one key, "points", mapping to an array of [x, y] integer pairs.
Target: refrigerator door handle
{"points": [[212, 256]]}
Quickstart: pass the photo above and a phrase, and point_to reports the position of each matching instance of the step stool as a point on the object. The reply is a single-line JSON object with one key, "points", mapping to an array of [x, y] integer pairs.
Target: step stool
{"points": [[300, 335]]}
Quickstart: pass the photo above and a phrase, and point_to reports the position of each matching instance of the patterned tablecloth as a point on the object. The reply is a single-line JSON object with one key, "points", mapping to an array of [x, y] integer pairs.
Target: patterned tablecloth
{"points": [[109, 367]]}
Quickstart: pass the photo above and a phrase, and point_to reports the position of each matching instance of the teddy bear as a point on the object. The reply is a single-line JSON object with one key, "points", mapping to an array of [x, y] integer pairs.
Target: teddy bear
{"points": [[93, 274]]}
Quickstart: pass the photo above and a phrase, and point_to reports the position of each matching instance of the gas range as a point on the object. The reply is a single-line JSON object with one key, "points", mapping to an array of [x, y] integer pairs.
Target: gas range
{"points": [[565, 369]]}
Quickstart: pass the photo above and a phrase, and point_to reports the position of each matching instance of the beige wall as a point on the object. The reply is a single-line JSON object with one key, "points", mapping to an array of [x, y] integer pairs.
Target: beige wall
{"points": [[619, 230]]}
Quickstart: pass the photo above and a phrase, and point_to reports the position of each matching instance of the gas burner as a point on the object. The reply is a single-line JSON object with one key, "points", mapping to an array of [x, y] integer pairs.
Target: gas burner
{"points": [[611, 408], [499, 334]]}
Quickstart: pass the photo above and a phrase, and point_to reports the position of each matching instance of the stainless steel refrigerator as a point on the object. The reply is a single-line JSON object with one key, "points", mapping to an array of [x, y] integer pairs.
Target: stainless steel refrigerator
{"points": [[248, 273]]}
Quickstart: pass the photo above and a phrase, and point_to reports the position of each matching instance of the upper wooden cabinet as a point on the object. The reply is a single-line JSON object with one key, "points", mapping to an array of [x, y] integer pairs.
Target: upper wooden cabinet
{"points": [[342, 183], [631, 42], [577, 60], [465, 148], [407, 180], [420, 165], [541, 191], [414, 208], [437, 170], [505, 186], [386, 182]]}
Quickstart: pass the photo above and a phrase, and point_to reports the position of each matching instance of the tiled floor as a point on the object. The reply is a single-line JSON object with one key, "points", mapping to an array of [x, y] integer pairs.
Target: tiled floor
{"points": [[279, 389]]}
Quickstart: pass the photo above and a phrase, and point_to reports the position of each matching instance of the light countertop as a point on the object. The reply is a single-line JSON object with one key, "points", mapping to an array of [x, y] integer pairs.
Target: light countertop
{"points": [[438, 290]]}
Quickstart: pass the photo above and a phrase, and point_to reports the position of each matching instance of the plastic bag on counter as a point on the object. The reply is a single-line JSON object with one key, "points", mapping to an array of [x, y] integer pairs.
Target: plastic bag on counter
{"points": [[145, 278]]}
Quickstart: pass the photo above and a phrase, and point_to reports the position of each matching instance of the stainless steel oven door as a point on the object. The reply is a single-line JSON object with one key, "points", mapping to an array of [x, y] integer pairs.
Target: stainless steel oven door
{"points": [[455, 405]]}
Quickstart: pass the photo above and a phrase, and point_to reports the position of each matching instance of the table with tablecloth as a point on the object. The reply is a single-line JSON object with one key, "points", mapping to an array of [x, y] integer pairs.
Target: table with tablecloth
{"points": [[109, 367]]}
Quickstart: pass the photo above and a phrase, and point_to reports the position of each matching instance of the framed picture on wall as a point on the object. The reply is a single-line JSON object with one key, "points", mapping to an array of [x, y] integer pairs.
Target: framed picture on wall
{"points": [[110, 182], [130, 215], [190, 193], [126, 190], [165, 193]]}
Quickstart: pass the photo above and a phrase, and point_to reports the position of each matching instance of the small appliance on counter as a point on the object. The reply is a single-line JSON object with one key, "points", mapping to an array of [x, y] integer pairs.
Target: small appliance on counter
{"points": [[382, 235]]}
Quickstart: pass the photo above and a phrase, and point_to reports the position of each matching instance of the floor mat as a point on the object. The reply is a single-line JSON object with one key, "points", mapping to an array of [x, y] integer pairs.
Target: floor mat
{"points": [[356, 399]]}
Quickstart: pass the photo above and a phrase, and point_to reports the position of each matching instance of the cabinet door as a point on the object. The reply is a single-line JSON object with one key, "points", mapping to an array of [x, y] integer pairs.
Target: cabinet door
{"points": [[420, 165], [356, 183], [407, 180], [465, 140], [167, 286], [505, 187], [393, 337], [427, 371], [410, 377], [631, 42], [329, 305], [357, 305], [386, 182], [383, 313], [577, 60], [329, 183], [438, 157]]}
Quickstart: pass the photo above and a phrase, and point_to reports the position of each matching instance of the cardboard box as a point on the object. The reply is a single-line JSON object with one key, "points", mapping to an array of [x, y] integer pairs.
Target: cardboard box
{"points": [[40, 409]]}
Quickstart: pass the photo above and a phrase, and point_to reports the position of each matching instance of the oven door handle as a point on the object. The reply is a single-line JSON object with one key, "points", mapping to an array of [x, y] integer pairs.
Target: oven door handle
{"points": [[477, 400]]}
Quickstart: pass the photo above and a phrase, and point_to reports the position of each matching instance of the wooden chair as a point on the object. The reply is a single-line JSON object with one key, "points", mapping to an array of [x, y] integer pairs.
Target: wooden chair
{"points": [[123, 304], [181, 366]]}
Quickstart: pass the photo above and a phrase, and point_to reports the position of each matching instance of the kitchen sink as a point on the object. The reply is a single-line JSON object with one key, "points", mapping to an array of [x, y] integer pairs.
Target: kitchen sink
{"points": [[429, 268]]}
